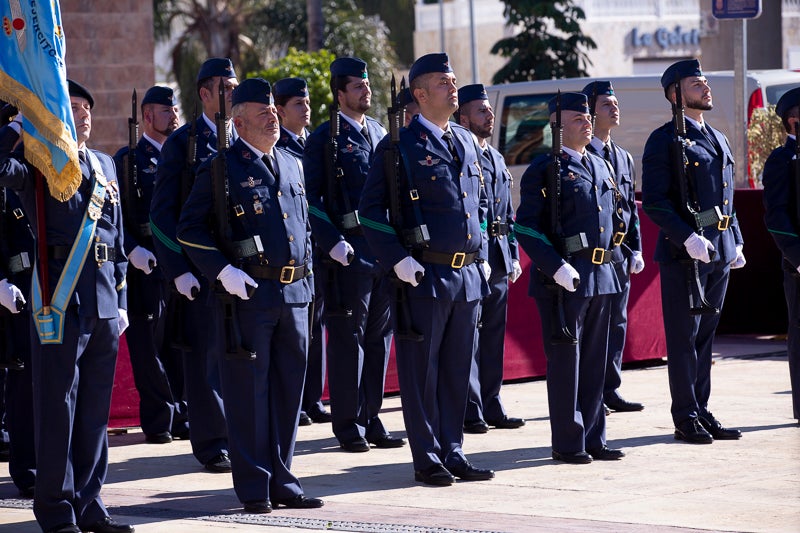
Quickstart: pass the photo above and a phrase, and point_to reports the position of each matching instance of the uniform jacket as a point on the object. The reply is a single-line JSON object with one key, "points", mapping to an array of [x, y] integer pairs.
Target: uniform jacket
{"points": [[100, 291], [146, 167], [713, 176], [290, 144], [355, 155], [166, 205], [780, 203], [587, 205], [453, 203], [274, 209], [498, 181]]}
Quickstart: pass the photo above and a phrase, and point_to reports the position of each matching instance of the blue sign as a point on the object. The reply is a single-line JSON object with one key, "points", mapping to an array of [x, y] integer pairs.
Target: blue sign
{"points": [[736, 9]]}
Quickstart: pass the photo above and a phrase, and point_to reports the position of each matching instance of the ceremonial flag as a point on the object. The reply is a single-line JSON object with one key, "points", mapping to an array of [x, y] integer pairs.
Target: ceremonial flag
{"points": [[33, 77]]}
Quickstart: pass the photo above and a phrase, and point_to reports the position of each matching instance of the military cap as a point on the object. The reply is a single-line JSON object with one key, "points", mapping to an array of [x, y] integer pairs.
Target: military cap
{"points": [[349, 66], [683, 69], [598, 88], [428, 63], [290, 87], [216, 66], [570, 102], [76, 89], [468, 93], [790, 99], [405, 97], [160, 95], [252, 90]]}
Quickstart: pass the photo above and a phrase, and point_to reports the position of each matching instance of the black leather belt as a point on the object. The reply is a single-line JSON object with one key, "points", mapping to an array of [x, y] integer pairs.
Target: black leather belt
{"points": [[286, 275], [713, 217], [248, 247], [498, 228], [101, 252], [576, 243], [456, 260], [18, 263], [598, 256]]}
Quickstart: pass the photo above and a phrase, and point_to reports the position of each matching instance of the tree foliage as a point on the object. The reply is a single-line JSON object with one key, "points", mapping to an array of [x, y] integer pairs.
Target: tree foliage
{"points": [[550, 44]]}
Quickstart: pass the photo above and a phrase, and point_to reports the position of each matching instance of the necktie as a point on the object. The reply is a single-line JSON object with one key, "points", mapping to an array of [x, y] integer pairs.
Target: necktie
{"points": [[488, 158], [709, 137], [82, 156], [448, 139], [301, 141], [608, 155], [271, 164], [365, 133]]}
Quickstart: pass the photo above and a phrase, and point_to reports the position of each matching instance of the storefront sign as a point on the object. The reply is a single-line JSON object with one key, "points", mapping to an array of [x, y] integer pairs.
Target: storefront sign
{"points": [[666, 38]]}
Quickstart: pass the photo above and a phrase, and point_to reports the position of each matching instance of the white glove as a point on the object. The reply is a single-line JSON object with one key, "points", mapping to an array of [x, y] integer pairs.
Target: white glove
{"points": [[487, 270], [9, 294], [407, 269], [516, 271], [637, 263], [185, 282], [740, 261], [697, 247], [342, 252], [123, 320], [143, 259], [567, 276], [235, 281]]}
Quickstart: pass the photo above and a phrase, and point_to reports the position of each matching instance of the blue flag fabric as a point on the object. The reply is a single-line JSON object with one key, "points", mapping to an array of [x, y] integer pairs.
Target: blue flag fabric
{"points": [[33, 77]]}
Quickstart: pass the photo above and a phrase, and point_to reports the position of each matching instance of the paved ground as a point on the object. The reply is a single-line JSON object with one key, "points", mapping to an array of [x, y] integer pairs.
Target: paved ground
{"points": [[661, 486]]}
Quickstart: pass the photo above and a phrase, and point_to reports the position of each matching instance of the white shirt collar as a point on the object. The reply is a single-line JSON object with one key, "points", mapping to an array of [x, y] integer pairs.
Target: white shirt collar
{"points": [[255, 150], [352, 122], [433, 128], [577, 156], [152, 141]]}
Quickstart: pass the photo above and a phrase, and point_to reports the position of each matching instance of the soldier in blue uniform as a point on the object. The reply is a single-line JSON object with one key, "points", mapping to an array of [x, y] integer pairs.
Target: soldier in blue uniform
{"points": [[267, 254], [294, 109], [356, 292], [709, 172], [577, 257], [484, 407], [174, 178], [74, 354], [444, 269], [782, 218], [162, 410], [628, 254]]}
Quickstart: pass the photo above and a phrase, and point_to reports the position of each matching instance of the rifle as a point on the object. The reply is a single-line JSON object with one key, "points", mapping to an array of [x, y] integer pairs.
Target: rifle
{"points": [[222, 230], [131, 190], [333, 176], [559, 331], [697, 298], [405, 329], [187, 176]]}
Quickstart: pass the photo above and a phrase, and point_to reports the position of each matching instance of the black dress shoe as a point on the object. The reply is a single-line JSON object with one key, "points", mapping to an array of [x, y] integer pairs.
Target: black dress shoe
{"points": [[713, 426], [108, 525], [466, 472], [692, 432], [65, 528], [507, 423], [219, 464], [606, 409], [257, 507], [435, 475], [476, 427], [320, 417], [304, 420], [299, 502], [606, 454], [165, 437], [357, 445], [387, 441], [575, 458], [180, 433], [621, 405]]}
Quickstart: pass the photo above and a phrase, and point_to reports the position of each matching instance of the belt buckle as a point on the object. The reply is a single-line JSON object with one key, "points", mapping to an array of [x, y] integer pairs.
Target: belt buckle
{"points": [[100, 252], [287, 274], [458, 260], [619, 238], [598, 252], [725, 223]]}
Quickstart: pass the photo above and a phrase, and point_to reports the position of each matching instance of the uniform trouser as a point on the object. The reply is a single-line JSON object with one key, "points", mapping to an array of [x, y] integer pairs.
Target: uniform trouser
{"points": [[575, 373], [434, 378], [72, 385], [690, 338], [358, 354], [486, 373], [315, 370], [791, 288], [160, 406], [262, 400], [19, 408], [618, 328], [201, 371]]}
